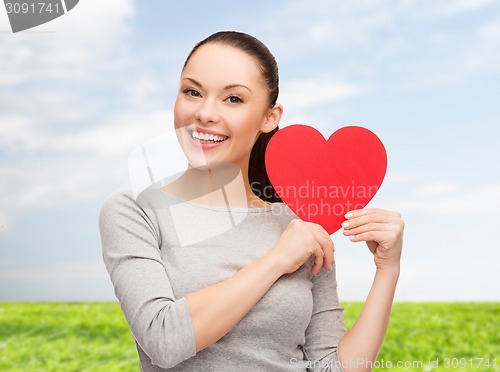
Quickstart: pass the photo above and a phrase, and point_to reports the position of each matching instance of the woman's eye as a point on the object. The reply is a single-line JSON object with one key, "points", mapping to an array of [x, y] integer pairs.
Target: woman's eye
{"points": [[234, 99], [192, 92]]}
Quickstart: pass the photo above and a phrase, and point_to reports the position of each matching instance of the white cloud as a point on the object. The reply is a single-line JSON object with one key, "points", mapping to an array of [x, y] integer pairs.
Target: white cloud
{"points": [[473, 51], [435, 201], [120, 134], [441, 261], [402, 177], [460, 6], [15, 131], [482, 54], [396, 36], [352, 285], [81, 164], [490, 31], [340, 25], [458, 280], [74, 42], [3, 222], [430, 271], [39, 185], [435, 189], [5, 262], [66, 281], [334, 25], [116, 135], [57, 275], [439, 38], [144, 89], [305, 93], [453, 280]]}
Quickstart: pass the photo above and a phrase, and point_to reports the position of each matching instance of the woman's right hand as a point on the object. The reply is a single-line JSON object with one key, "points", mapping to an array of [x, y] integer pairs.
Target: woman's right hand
{"points": [[298, 242]]}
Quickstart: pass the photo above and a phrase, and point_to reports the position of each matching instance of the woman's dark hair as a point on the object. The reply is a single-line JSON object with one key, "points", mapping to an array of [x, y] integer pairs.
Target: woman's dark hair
{"points": [[257, 174]]}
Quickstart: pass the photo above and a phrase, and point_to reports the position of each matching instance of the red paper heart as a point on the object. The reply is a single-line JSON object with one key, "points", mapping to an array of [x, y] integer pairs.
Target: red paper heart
{"points": [[321, 180]]}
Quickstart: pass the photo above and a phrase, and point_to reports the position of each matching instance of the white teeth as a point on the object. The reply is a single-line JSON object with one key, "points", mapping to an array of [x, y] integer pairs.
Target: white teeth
{"points": [[208, 137]]}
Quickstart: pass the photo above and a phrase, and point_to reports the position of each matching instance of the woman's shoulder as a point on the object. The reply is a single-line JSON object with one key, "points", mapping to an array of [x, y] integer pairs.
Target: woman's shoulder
{"points": [[119, 198], [283, 211], [127, 204], [123, 202], [125, 208], [118, 204], [127, 198]]}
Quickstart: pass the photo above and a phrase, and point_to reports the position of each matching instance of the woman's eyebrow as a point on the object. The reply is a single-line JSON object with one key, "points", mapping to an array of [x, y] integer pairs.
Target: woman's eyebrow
{"points": [[236, 86], [230, 86], [193, 81]]}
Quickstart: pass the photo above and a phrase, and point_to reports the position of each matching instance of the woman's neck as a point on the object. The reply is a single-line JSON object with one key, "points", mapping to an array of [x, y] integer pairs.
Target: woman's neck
{"points": [[222, 184]]}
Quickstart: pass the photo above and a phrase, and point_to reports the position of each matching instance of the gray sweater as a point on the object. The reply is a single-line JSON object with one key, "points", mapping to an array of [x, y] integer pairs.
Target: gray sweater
{"points": [[158, 248]]}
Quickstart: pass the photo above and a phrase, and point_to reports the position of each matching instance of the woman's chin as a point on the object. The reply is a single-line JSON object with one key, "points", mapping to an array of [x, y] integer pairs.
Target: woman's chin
{"points": [[208, 164]]}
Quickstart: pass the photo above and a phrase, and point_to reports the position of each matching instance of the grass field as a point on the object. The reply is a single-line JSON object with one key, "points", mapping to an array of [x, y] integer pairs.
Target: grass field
{"points": [[95, 337]]}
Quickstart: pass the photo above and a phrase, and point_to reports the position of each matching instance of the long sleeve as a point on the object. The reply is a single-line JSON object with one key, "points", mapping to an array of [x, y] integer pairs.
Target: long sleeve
{"points": [[327, 325], [160, 324]]}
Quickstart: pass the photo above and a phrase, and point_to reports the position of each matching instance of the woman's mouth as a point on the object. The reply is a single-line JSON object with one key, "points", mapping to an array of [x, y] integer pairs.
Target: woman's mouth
{"points": [[206, 141]]}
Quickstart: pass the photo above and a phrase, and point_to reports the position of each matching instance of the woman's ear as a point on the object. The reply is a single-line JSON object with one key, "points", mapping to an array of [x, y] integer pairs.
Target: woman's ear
{"points": [[273, 118]]}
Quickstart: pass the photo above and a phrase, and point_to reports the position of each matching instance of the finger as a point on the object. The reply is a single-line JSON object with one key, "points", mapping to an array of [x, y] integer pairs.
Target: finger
{"points": [[370, 226], [365, 219], [370, 211], [318, 260], [375, 236], [326, 244], [369, 216]]}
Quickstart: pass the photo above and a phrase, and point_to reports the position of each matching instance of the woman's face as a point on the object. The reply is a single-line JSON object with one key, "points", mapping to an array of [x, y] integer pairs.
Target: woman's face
{"points": [[223, 103]]}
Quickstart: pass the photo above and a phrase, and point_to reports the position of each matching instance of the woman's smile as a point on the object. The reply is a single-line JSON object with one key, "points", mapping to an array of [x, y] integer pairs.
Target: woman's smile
{"points": [[206, 139]]}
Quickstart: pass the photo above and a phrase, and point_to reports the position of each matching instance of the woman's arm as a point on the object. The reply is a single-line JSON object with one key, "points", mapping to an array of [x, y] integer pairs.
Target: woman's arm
{"points": [[383, 232], [359, 348], [326, 327], [216, 309], [160, 323]]}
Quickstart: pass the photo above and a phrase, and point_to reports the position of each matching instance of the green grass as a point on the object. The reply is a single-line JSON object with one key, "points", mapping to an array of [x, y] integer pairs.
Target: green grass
{"points": [[423, 332], [96, 337], [65, 337]]}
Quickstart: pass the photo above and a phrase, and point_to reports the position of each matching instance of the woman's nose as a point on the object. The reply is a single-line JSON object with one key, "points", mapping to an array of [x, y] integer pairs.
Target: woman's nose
{"points": [[207, 112]]}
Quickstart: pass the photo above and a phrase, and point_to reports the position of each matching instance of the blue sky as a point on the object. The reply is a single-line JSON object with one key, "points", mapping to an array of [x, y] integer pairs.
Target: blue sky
{"points": [[78, 94]]}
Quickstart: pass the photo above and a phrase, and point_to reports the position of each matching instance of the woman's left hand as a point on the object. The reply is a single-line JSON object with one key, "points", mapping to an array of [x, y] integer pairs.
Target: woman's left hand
{"points": [[382, 231]]}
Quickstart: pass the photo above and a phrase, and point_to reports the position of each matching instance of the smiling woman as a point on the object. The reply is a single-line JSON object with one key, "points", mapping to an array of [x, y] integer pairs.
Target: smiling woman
{"points": [[229, 86], [213, 274]]}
